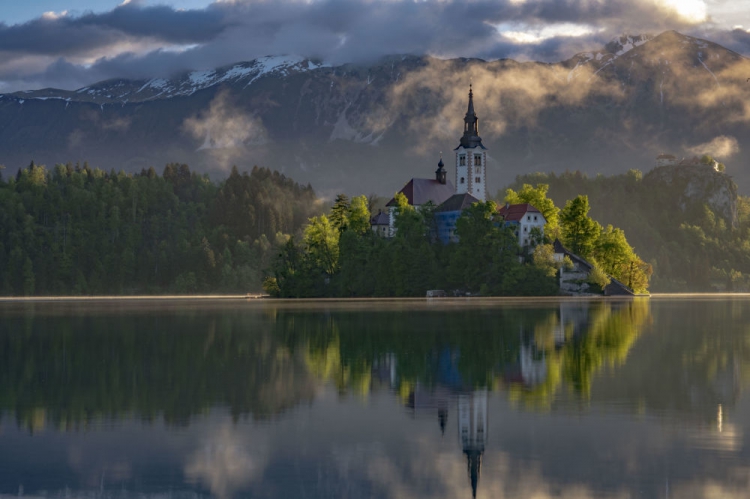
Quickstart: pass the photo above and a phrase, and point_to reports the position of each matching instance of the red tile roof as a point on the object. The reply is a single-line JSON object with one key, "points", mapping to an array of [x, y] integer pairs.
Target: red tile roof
{"points": [[515, 212]]}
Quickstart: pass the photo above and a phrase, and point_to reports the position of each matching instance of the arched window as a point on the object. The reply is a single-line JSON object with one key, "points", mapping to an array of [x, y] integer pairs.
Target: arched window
{"points": [[463, 180]]}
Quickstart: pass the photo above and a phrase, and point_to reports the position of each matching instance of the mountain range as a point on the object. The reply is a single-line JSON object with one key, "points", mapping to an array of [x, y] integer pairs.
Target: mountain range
{"points": [[368, 128]]}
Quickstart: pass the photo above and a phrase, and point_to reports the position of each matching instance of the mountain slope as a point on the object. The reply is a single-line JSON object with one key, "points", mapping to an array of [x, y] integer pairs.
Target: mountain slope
{"points": [[370, 128]]}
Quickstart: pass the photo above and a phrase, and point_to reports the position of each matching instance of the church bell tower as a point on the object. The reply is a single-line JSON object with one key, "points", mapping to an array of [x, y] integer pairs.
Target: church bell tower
{"points": [[471, 157]]}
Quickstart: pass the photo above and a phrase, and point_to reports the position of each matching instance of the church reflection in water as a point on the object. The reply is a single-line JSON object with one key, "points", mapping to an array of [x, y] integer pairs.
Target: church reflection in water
{"points": [[450, 392]]}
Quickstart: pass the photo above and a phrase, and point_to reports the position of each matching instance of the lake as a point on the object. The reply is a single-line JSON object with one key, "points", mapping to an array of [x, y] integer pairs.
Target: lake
{"points": [[441, 398]]}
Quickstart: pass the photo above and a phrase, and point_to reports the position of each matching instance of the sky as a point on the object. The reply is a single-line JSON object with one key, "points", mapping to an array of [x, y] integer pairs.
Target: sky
{"points": [[72, 43]]}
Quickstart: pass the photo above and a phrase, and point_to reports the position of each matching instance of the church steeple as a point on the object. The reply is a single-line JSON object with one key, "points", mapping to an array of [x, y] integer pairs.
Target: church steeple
{"points": [[471, 138], [471, 156], [470, 112]]}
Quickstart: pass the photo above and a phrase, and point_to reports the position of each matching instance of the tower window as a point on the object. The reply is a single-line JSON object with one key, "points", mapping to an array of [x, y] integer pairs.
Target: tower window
{"points": [[462, 160], [478, 180], [477, 159], [462, 180]]}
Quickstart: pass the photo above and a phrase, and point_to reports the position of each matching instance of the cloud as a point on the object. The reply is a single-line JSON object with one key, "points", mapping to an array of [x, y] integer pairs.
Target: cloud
{"points": [[513, 94], [223, 131], [713, 85], [721, 147], [137, 40], [227, 461]]}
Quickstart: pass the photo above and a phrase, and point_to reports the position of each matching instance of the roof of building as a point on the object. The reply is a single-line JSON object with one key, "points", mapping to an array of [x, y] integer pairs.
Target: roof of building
{"points": [[457, 202], [515, 212], [380, 218], [614, 287], [421, 190]]}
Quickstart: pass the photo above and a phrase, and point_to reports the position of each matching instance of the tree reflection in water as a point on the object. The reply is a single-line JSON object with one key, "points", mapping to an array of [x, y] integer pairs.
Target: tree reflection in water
{"points": [[311, 388], [68, 369]]}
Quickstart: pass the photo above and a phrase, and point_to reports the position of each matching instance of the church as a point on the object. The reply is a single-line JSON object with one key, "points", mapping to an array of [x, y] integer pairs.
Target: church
{"points": [[451, 199]]}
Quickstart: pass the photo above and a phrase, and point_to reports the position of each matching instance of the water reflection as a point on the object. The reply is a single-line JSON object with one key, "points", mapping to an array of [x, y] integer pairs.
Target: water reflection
{"points": [[493, 400], [68, 370]]}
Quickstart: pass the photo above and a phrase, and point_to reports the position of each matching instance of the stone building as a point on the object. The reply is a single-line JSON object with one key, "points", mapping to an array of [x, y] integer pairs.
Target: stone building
{"points": [[470, 188]]}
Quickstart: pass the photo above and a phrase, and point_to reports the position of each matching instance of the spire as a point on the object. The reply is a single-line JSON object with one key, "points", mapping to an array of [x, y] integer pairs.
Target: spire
{"points": [[440, 173], [474, 465], [471, 136], [470, 111]]}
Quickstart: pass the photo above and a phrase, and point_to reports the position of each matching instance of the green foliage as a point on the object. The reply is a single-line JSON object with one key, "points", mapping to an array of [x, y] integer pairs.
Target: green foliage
{"points": [[78, 230], [359, 215], [678, 239], [322, 244], [598, 276], [544, 259], [340, 213], [579, 231], [271, 286], [485, 259]]}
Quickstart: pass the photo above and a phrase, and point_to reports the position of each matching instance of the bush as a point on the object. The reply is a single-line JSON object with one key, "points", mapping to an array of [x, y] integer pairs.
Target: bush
{"points": [[597, 276], [271, 287]]}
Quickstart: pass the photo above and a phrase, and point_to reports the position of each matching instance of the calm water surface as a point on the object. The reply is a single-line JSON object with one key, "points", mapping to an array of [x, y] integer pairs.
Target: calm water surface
{"points": [[410, 399]]}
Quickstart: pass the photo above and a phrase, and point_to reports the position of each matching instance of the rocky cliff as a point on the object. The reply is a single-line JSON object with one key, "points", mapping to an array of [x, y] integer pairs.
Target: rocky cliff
{"points": [[695, 185]]}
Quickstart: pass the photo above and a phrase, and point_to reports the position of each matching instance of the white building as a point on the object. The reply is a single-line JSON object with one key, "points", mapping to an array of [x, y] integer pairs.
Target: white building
{"points": [[471, 157], [523, 218]]}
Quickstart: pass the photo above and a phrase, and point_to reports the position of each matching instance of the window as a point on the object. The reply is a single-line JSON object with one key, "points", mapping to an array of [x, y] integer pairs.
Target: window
{"points": [[525, 229], [528, 218], [462, 180], [462, 160], [478, 180], [535, 218], [477, 159]]}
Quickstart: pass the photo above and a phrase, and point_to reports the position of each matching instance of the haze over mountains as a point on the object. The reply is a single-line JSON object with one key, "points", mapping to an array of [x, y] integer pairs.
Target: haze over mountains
{"points": [[359, 128]]}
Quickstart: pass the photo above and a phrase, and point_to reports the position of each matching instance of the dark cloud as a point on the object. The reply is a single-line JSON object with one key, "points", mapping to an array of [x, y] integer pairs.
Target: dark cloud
{"points": [[64, 35], [137, 41], [737, 40]]}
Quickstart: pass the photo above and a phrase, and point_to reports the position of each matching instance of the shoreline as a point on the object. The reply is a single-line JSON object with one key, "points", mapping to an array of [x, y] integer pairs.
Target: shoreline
{"points": [[447, 300], [264, 297]]}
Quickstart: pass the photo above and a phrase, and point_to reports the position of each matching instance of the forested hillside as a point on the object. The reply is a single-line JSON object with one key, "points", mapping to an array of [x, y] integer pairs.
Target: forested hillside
{"points": [[77, 230], [689, 222]]}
